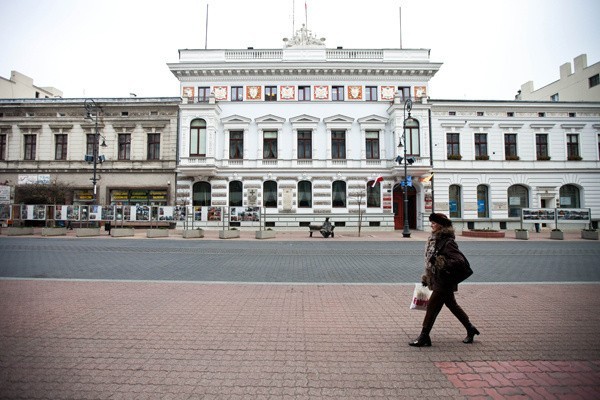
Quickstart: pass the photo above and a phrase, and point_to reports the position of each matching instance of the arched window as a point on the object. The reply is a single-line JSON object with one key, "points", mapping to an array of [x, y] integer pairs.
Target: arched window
{"points": [[373, 195], [198, 138], [569, 197], [270, 194], [338, 194], [235, 193], [201, 194], [518, 198], [304, 194], [454, 201], [483, 206]]}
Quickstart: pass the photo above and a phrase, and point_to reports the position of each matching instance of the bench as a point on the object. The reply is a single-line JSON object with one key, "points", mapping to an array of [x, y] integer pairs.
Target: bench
{"points": [[317, 228]]}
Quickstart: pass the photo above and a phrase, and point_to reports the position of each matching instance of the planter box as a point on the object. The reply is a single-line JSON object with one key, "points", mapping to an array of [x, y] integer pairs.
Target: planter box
{"points": [[155, 233], [193, 233], [265, 234], [484, 234], [122, 232], [230, 234], [54, 231], [590, 235], [19, 231], [523, 235], [558, 235], [86, 232]]}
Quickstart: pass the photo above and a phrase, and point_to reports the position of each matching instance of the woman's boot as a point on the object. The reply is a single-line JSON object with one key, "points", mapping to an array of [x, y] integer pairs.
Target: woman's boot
{"points": [[422, 341], [471, 332]]}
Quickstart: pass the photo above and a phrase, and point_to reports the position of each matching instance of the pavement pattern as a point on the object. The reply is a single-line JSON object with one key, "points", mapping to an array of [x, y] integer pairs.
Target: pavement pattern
{"points": [[65, 339]]}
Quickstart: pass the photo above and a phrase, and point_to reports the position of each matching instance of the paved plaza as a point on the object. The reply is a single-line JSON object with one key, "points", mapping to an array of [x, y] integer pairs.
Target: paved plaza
{"points": [[119, 338]]}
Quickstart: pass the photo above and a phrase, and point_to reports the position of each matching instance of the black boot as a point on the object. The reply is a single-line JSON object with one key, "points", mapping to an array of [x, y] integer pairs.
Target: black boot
{"points": [[422, 341], [471, 332]]}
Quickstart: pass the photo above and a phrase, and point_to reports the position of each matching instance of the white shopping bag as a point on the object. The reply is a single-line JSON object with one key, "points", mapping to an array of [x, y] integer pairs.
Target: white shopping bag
{"points": [[420, 297]]}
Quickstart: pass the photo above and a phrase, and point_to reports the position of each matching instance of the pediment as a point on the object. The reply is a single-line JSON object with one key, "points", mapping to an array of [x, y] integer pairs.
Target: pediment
{"points": [[304, 118], [235, 119], [372, 119], [270, 118], [339, 118]]}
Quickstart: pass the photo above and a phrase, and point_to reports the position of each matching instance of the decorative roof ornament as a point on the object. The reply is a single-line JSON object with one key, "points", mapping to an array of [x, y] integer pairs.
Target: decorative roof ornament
{"points": [[303, 38]]}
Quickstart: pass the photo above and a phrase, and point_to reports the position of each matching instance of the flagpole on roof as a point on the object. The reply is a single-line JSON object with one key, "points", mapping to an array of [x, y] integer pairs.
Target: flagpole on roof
{"points": [[206, 29]]}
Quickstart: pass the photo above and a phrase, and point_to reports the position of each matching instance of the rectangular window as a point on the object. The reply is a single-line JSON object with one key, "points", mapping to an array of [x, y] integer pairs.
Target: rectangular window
{"points": [[404, 92], [124, 146], [371, 93], [270, 145], [153, 146], [573, 147], [30, 142], [510, 146], [270, 93], [203, 93], [237, 93], [372, 145], [236, 145], [2, 147], [338, 145], [337, 93], [453, 145], [481, 150], [594, 80], [304, 144], [89, 143], [60, 147], [303, 93], [541, 146], [554, 97]]}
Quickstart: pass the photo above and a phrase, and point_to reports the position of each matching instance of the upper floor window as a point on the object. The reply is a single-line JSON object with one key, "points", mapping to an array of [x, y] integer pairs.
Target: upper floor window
{"points": [[201, 194], [203, 94], [594, 80], [404, 92], [573, 147], [270, 93], [124, 146], [371, 93], [30, 143], [372, 145], [481, 146], [541, 146], [236, 145], [153, 146], [510, 146], [454, 201], [338, 145], [3, 146], [453, 146], [60, 146], [337, 93], [270, 145], [304, 194], [304, 144], [198, 138], [554, 97], [270, 194], [235, 194], [338, 194], [90, 139], [303, 93], [237, 93]]}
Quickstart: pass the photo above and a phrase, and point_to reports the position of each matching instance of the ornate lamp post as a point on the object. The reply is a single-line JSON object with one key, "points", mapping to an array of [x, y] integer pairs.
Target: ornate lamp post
{"points": [[410, 124], [92, 113]]}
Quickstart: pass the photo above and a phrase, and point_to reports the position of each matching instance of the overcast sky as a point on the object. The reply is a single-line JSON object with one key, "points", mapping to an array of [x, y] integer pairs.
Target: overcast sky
{"points": [[110, 48]]}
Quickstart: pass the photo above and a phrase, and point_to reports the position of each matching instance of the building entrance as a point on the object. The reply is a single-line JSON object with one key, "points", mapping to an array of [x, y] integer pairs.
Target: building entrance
{"points": [[398, 203]]}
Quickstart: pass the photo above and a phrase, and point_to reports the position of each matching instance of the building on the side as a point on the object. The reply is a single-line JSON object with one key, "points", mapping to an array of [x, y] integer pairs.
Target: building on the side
{"points": [[20, 86], [580, 84], [491, 159], [305, 131], [51, 140]]}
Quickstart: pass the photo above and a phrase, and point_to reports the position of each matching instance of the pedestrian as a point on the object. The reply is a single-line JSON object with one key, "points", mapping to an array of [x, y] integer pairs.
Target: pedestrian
{"points": [[326, 228], [441, 255]]}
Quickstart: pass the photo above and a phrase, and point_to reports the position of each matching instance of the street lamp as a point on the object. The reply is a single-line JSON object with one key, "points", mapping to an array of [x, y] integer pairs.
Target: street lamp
{"points": [[92, 112], [410, 124]]}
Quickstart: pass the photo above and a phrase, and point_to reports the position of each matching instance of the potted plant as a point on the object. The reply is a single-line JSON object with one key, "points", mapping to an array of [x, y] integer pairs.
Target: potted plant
{"points": [[482, 157], [543, 158], [590, 234], [454, 157], [574, 158], [557, 234], [512, 158]]}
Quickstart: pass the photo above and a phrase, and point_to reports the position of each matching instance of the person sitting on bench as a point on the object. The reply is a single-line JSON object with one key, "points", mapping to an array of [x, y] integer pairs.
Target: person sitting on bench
{"points": [[326, 228]]}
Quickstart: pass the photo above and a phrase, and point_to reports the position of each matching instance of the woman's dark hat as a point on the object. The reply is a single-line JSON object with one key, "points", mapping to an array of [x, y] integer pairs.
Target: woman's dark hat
{"points": [[441, 219]]}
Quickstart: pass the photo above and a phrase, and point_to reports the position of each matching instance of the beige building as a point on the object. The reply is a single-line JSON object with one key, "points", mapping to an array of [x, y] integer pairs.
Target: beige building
{"points": [[20, 86], [583, 84]]}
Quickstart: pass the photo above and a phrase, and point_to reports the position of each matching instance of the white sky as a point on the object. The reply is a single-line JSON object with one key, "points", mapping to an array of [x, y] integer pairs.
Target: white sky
{"points": [[110, 48]]}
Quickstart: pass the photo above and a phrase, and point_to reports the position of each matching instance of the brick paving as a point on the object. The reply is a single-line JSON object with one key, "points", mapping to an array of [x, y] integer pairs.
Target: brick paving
{"points": [[62, 339]]}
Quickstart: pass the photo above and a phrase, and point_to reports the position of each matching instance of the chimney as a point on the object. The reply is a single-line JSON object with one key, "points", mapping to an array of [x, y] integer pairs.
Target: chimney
{"points": [[580, 62]]}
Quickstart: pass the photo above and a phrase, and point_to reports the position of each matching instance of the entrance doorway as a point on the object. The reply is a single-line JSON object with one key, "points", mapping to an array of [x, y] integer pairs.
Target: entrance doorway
{"points": [[398, 204]]}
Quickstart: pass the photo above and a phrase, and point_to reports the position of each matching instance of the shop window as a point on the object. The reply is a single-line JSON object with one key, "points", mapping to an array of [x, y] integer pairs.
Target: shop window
{"points": [[304, 194], [144, 197], [270, 194], [569, 197], [201, 194], [198, 138], [454, 201], [305, 145], [373, 195], [338, 194], [235, 194], [372, 145], [483, 201], [518, 198]]}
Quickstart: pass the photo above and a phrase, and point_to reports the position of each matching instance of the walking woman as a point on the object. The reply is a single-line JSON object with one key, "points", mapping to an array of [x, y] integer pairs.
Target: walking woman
{"points": [[441, 255]]}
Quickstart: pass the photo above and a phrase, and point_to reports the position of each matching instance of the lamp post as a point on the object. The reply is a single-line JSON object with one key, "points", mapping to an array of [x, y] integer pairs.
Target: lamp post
{"points": [[92, 110], [409, 124]]}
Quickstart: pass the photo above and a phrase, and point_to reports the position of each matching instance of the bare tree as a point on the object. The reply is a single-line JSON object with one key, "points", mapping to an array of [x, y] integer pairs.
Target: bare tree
{"points": [[49, 193], [358, 196]]}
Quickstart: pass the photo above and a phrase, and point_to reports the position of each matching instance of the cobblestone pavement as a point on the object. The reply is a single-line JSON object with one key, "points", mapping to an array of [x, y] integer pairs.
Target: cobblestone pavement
{"points": [[135, 340]]}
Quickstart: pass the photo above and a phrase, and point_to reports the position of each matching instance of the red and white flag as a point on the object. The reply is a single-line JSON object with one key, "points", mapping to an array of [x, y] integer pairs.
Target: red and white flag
{"points": [[378, 179]]}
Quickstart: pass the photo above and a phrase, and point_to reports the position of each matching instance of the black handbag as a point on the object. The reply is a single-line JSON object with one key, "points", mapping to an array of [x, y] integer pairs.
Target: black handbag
{"points": [[460, 271]]}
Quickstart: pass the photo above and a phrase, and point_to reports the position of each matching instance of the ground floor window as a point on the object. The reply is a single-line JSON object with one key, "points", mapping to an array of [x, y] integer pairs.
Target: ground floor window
{"points": [[141, 197], [518, 198], [454, 201]]}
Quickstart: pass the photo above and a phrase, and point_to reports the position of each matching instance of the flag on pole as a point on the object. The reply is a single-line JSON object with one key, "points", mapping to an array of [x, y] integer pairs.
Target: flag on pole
{"points": [[378, 179], [427, 178]]}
